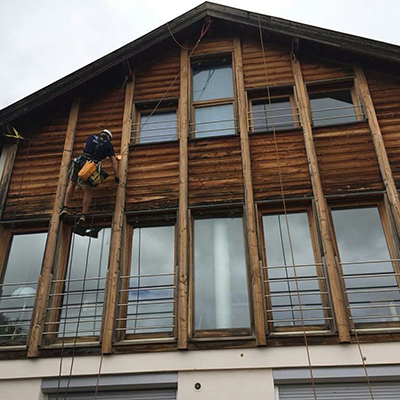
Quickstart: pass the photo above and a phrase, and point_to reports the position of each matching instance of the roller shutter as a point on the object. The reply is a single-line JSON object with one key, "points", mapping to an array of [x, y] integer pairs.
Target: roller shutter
{"points": [[340, 391]]}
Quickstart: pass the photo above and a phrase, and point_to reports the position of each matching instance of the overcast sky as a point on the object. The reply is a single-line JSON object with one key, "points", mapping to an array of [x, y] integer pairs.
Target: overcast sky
{"points": [[44, 40]]}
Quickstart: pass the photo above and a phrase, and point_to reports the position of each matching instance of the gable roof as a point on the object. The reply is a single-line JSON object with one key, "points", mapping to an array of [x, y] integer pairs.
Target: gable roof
{"points": [[338, 40]]}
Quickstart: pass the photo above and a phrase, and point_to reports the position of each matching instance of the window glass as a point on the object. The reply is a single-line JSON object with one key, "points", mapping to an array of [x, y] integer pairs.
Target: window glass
{"points": [[281, 273], [82, 305], [212, 82], [371, 286], [159, 127], [19, 284], [214, 121], [151, 282], [220, 279], [276, 115], [332, 108]]}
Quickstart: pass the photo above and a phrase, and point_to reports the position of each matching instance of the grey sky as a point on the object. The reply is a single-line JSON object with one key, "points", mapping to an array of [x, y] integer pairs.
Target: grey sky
{"points": [[44, 40]]}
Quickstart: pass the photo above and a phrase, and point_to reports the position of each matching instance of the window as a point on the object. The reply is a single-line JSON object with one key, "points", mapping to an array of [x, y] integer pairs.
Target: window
{"points": [[335, 107], [153, 127], [77, 295], [368, 264], [147, 295], [19, 280], [220, 280], [277, 114], [291, 258], [213, 99]]}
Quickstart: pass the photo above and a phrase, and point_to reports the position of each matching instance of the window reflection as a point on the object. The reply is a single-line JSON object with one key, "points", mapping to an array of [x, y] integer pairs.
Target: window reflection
{"points": [[151, 281], [220, 279], [159, 127], [371, 286], [19, 284], [281, 273], [82, 303], [333, 108], [214, 121]]}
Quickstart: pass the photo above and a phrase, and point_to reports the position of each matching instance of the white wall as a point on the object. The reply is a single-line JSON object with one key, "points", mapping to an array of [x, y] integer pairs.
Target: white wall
{"points": [[29, 389]]}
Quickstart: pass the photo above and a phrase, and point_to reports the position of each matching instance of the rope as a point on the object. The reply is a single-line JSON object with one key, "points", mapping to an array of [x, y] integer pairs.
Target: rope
{"points": [[286, 215], [173, 37]]}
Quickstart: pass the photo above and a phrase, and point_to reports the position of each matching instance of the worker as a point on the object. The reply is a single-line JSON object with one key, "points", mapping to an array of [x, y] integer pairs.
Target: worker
{"points": [[97, 148]]}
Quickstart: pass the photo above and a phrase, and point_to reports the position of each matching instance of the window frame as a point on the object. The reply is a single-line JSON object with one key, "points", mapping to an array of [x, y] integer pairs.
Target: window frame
{"points": [[55, 304], [392, 246], [212, 60], [337, 86], [120, 334], [216, 334], [150, 107], [319, 267], [286, 94], [6, 236]]}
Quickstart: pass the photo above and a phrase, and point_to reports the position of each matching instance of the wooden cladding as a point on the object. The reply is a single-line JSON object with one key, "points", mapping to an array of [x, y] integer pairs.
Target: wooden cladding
{"points": [[293, 165], [319, 69], [385, 93], [98, 111], [214, 45], [153, 177], [346, 158], [152, 81], [215, 171], [277, 70], [36, 169]]}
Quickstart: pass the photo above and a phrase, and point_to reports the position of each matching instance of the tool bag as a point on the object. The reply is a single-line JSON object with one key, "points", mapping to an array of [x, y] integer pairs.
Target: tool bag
{"points": [[87, 170], [98, 176]]}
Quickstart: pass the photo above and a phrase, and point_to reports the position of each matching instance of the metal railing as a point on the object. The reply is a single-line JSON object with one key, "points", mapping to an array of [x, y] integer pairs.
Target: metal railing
{"points": [[16, 306], [356, 113], [372, 289], [217, 128], [283, 308], [75, 307], [269, 119], [147, 304], [157, 133]]}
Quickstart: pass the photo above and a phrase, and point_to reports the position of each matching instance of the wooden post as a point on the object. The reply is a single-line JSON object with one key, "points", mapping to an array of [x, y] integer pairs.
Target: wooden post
{"points": [[249, 209], [377, 138], [183, 255], [9, 153], [111, 297], [336, 289], [42, 294]]}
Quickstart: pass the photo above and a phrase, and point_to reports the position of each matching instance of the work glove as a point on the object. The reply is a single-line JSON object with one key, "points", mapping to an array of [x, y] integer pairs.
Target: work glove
{"points": [[116, 179]]}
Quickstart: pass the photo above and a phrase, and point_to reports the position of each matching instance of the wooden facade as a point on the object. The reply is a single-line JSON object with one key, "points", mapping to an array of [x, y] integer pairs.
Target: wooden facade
{"points": [[247, 173]]}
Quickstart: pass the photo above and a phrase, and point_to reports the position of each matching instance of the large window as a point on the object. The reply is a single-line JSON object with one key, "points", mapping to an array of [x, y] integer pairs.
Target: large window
{"points": [[369, 265], [335, 107], [213, 99], [277, 113], [19, 277], [147, 294], [77, 294], [221, 299], [295, 285]]}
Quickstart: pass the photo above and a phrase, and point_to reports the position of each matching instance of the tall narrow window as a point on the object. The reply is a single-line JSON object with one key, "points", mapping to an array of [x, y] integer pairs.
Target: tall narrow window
{"points": [[220, 279], [148, 292], [368, 269], [294, 278], [213, 97], [80, 302], [18, 285]]}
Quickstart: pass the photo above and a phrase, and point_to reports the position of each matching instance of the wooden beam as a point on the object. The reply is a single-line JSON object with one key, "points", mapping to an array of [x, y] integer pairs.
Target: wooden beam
{"points": [[9, 154], [249, 208], [111, 297], [380, 150], [42, 294], [321, 206], [183, 249]]}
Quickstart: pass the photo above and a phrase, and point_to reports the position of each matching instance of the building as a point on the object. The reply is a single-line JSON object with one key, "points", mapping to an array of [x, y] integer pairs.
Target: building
{"points": [[254, 237]]}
